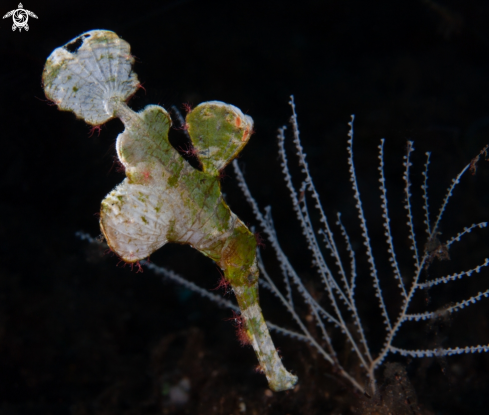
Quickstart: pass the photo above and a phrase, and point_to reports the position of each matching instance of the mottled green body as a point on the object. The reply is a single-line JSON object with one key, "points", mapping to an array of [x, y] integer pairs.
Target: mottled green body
{"points": [[164, 199]]}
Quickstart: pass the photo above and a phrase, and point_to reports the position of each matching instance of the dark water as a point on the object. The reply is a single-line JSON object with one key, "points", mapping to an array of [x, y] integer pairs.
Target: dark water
{"points": [[81, 335]]}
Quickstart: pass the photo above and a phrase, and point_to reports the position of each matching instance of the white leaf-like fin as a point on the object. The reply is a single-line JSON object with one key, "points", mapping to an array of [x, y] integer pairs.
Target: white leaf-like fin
{"points": [[91, 78]]}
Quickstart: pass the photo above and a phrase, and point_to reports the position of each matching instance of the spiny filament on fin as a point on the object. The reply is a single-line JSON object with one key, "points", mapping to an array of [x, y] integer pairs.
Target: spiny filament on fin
{"points": [[189, 151], [187, 107], [95, 129], [239, 324], [140, 86], [260, 242], [224, 284], [137, 264]]}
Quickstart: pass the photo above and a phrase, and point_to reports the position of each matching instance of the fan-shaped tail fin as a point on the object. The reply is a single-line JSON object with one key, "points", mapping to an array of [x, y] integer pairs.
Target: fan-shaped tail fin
{"points": [[90, 74]]}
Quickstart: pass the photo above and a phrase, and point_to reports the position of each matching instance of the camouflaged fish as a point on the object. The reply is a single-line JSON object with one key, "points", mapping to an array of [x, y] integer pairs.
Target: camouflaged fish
{"points": [[163, 198]]}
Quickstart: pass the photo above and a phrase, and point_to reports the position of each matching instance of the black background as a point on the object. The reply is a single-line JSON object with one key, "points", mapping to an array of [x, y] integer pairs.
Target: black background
{"points": [[80, 335]]}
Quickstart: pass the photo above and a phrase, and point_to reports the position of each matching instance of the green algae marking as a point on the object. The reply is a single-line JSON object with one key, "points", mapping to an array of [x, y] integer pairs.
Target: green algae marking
{"points": [[50, 73], [142, 197], [171, 234]]}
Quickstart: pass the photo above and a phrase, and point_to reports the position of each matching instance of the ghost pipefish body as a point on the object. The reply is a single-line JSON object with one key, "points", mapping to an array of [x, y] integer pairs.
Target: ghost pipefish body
{"points": [[163, 198]]}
